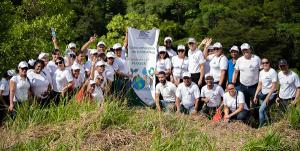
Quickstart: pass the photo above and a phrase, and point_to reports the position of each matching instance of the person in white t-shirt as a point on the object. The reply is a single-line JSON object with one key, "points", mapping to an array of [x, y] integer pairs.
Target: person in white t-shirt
{"points": [[196, 62], [168, 91], [211, 95], [289, 92], [62, 81], [98, 69], [168, 44], [40, 84], [19, 87], [187, 96], [210, 55], [78, 80], [248, 67], [4, 93], [180, 64], [51, 66], [163, 62], [101, 47], [45, 57], [218, 65], [235, 107], [90, 92], [266, 90]]}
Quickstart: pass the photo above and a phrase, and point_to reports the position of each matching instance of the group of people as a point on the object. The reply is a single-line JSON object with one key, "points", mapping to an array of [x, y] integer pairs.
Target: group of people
{"points": [[189, 80]]}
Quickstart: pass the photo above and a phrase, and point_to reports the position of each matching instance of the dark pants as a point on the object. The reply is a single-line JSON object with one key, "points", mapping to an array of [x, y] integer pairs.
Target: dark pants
{"points": [[195, 78], [3, 108], [55, 97], [122, 86], [242, 116], [209, 111], [283, 103], [249, 92]]}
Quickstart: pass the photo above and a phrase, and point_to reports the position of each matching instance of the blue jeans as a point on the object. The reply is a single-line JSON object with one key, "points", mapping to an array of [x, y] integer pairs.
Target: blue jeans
{"points": [[263, 115], [168, 106], [186, 110], [242, 116]]}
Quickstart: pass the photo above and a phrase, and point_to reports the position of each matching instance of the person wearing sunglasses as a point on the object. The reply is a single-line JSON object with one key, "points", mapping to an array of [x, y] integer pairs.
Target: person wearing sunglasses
{"points": [[40, 84], [19, 88], [289, 92], [211, 95], [180, 64], [62, 81], [98, 69], [235, 107], [168, 44], [265, 94], [248, 67], [187, 96], [163, 62]]}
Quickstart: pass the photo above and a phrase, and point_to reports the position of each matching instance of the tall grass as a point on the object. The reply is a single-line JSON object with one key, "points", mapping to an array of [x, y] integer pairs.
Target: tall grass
{"points": [[293, 116]]}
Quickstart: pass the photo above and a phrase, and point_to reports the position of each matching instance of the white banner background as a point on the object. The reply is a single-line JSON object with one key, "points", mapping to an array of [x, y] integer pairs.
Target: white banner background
{"points": [[142, 54]]}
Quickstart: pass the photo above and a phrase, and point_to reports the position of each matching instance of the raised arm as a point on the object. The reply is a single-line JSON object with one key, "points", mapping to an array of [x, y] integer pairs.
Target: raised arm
{"points": [[54, 40], [87, 44]]}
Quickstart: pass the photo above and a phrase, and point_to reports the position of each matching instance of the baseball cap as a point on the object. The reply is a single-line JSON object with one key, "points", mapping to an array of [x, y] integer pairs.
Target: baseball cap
{"points": [[282, 62], [168, 38], [191, 40], [92, 82], [186, 74], [23, 64], [161, 49], [72, 45], [110, 54], [93, 51], [75, 66], [209, 76], [100, 63], [117, 45], [234, 48], [180, 47], [11, 72], [31, 62], [42, 55], [210, 47], [217, 45], [245, 46], [101, 43]]}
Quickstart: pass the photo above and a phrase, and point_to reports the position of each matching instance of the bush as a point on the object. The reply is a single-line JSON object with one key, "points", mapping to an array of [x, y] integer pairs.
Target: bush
{"points": [[293, 116]]}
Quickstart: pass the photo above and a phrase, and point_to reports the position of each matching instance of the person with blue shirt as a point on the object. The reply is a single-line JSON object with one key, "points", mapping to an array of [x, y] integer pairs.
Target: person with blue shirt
{"points": [[234, 53]]}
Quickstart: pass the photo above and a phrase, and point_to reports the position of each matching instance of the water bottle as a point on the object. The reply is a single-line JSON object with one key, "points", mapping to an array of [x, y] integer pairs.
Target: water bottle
{"points": [[53, 34]]}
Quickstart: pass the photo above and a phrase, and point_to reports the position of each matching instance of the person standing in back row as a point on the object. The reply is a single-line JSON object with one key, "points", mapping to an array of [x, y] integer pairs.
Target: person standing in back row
{"points": [[248, 67], [234, 52]]}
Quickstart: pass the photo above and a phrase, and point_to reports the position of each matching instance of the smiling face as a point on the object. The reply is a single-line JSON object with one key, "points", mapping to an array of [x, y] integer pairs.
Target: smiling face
{"points": [[218, 51], [60, 64], [181, 53], [168, 44], [231, 89], [38, 68], [265, 63], [247, 53], [23, 71], [192, 46]]}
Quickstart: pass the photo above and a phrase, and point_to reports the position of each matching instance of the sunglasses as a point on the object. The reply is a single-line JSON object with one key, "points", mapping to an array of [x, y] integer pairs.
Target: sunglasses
{"points": [[191, 43], [119, 49], [265, 62], [110, 58], [162, 52], [230, 88], [72, 56], [186, 78], [168, 42], [73, 48], [24, 68], [102, 66], [59, 62]]}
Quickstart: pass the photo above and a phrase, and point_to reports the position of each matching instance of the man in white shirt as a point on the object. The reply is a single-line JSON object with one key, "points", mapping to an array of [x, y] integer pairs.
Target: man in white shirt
{"points": [[168, 45], [248, 67], [168, 91], [101, 47], [196, 62], [211, 95], [234, 105], [289, 82], [187, 96]]}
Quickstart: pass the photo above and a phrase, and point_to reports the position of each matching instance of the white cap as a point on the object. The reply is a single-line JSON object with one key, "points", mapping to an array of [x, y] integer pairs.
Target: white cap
{"points": [[208, 75], [93, 51], [11, 72], [245, 46], [180, 47], [100, 63], [162, 49], [72, 45], [236, 48], [117, 45], [42, 55], [23, 64], [191, 40], [217, 45], [75, 66], [101, 43], [110, 54], [92, 82], [210, 47], [168, 38], [186, 74], [31, 62]]}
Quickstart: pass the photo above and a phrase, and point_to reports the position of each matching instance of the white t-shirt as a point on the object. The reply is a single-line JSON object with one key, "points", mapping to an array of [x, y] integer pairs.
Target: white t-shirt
{"points": [[187, 95], [88, 65], [110, 71], [214, 95], [51, 66], [61, 79], [22, 86], [180, 66], [267, 78], [39, 83], [171, 53], [206, 64], [163, 64], [167, 91], [4, 86], [122, 64], [195, 59], [249, 70], [216, 65], [288, 84], [98, 94], [82, 70], [46, 73], [230, 101]]}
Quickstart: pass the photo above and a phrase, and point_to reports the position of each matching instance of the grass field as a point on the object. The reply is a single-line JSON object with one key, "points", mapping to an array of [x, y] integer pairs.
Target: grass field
{"points": [[119, 127]]}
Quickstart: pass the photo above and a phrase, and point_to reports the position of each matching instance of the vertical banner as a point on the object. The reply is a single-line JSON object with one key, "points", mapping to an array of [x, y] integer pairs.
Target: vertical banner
{"points": [[142, 54]]}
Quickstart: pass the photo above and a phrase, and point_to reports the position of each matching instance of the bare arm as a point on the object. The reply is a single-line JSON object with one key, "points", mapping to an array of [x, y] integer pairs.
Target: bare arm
{"points": [[222, 78], [234, 76], [87, 44], [239, 109], [11, 95], [196, 105], [157, 102], [201, 74], [54, 40], [177, 103], [258, 89]]}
